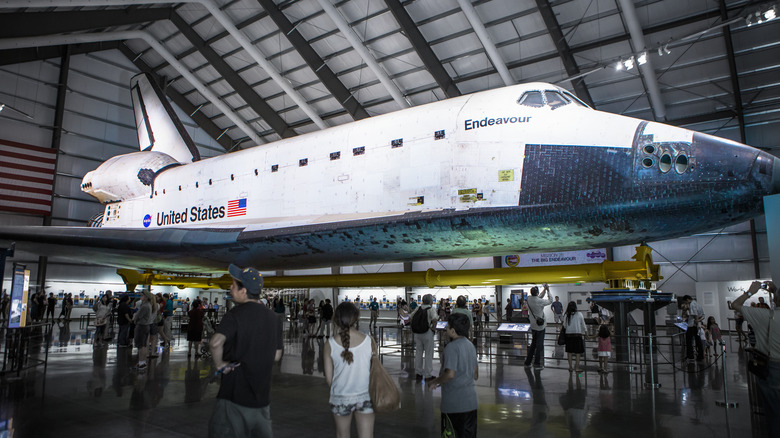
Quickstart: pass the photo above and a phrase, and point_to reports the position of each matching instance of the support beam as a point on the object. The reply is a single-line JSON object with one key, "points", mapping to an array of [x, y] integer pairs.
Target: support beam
{"points": [[408, 267], [224, 20], [201, 119], [315, 62], [423, 49], [736, 90], [702, 118], [27, 24], [31, 54], [257, 103], [487, 43], [357, 44], [647, 70], [56, 140], [498, 291], [55, 40], [648, 31], [569, 63]]}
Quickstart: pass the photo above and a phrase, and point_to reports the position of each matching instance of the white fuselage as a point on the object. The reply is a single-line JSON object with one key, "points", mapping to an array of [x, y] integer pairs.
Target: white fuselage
{"points": [[478, 163]]}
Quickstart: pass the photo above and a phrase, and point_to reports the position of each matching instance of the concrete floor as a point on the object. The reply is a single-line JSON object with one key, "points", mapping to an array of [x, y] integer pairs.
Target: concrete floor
{"points": [[91, 391]]}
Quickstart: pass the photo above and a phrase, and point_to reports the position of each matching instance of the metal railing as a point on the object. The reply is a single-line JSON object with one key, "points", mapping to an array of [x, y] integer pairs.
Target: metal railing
{"points": [[489, 343], [22, 348]]}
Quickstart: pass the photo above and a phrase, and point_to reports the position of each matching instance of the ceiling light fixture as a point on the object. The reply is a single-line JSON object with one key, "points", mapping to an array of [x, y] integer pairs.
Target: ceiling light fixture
{"points": [[760, 17], [642, 58], [628, 63]]}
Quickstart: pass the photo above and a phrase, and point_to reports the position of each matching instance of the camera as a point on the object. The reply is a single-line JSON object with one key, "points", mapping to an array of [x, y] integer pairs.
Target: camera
{"points": [[764, 285]]}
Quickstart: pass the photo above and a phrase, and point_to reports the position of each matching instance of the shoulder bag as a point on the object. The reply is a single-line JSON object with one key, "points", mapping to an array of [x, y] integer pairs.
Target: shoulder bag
{"points": [[384, 394], [758, 362], [562, 336], [539, 321]]}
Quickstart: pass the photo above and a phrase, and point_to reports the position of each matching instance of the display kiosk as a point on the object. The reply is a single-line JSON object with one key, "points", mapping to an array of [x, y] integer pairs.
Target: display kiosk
{"points": [[621, 302], [507, 332]]}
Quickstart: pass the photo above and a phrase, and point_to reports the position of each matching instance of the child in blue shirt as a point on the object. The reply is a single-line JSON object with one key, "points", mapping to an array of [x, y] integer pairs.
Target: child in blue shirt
{"points": [[460, 371]]}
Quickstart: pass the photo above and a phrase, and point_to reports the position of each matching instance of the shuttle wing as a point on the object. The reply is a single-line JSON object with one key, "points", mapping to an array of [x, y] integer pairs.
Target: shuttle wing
{"points": [[447, 233], [170, 249], [442, 234]]}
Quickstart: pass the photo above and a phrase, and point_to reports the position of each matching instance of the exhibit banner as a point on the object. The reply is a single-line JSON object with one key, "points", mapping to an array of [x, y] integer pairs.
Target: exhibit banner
{"points": [[517, 297], [19, 289], [597, 255]]}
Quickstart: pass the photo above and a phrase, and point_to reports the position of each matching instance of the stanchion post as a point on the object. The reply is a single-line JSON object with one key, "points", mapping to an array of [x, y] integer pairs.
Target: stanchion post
{"points": [[725, 403], [652, 383]]}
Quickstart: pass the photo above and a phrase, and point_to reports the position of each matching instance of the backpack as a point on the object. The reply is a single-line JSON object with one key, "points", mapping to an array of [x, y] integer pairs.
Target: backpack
{"points": [[420, 323]]}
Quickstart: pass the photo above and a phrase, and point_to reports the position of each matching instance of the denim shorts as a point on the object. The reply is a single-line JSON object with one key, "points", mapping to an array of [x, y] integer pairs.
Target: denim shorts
{"points": [[364, 407]]}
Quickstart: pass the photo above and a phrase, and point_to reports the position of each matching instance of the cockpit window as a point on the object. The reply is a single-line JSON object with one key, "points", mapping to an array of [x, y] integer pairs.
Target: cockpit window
{"points": [[575, 99], [556, 99], [533, 99]]}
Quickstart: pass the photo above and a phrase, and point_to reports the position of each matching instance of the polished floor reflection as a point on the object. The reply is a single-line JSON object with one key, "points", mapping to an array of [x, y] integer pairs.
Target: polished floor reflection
{"points": [[91, 391]]}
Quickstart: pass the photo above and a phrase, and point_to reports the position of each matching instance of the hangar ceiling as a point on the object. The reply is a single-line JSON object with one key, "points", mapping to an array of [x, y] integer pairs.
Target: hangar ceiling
{"points": [[711, 70]]}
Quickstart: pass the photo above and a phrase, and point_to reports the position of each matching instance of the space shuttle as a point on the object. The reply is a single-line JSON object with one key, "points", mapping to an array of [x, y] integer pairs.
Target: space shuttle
{"points": [[524, 168]]}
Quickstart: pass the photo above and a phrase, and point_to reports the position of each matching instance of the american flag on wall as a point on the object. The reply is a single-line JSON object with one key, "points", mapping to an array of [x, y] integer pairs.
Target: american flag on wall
{"points": [[236, 207], [26, 178]]}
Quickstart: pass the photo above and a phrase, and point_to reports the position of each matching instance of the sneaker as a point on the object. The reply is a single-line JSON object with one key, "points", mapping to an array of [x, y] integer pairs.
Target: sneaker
{"points": [[527, 365], [538, 367]]}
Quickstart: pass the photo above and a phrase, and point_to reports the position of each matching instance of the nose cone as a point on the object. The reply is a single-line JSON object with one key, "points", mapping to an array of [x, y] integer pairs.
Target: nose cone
{"points": [[728, 162], [766, 172]]}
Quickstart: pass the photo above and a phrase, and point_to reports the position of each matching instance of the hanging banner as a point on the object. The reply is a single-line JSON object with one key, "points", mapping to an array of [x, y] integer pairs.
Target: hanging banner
{"points": [[556, 258]]}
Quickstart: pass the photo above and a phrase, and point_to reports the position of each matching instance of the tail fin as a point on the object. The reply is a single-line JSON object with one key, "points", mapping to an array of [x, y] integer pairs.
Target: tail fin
{"points": [[159, 129]]}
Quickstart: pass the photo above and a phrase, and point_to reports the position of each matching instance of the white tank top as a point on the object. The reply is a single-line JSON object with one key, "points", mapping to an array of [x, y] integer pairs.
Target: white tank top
{"points": [[350, 381]]}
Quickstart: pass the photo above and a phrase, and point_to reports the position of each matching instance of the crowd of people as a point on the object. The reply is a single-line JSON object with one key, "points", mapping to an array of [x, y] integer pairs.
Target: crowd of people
{"points": [[243, 403]]}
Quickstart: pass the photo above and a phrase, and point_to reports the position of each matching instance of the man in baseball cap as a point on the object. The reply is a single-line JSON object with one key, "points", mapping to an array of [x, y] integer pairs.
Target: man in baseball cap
{"points": [[244, 348], [248, 278]]}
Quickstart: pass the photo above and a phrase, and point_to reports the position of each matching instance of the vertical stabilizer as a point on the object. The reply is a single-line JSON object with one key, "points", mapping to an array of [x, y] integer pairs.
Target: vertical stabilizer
{"points": [[159, 129]]}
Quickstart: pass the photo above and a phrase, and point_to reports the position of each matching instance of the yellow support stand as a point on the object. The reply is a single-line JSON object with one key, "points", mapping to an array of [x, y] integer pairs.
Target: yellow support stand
{"points": [[636, 274]]}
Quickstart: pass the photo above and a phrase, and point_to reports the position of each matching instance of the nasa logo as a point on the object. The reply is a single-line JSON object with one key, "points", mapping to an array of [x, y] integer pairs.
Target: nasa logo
{"points": [[512, 260], [596, 255], [147, 220]]}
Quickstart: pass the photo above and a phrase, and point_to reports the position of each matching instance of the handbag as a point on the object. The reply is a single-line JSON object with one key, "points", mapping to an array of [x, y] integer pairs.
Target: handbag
{"points": [[562, 336], [384, 394], [758, 361]]}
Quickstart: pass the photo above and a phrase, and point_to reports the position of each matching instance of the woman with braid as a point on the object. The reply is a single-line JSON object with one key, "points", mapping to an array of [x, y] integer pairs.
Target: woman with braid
{"points": [[347, 366]]}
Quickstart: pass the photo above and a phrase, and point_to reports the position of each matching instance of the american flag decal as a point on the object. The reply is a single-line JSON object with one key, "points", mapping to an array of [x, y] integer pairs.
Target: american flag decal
{"points": [[236, 207], [26, 178]]}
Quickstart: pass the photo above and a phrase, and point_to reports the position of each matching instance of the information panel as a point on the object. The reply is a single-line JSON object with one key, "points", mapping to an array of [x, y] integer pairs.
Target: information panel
{"points": [[507, 327], [19, 290]]}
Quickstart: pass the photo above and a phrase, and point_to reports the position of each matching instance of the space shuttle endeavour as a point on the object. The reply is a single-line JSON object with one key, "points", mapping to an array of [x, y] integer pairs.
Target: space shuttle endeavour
{"points": [[525, 168]]}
